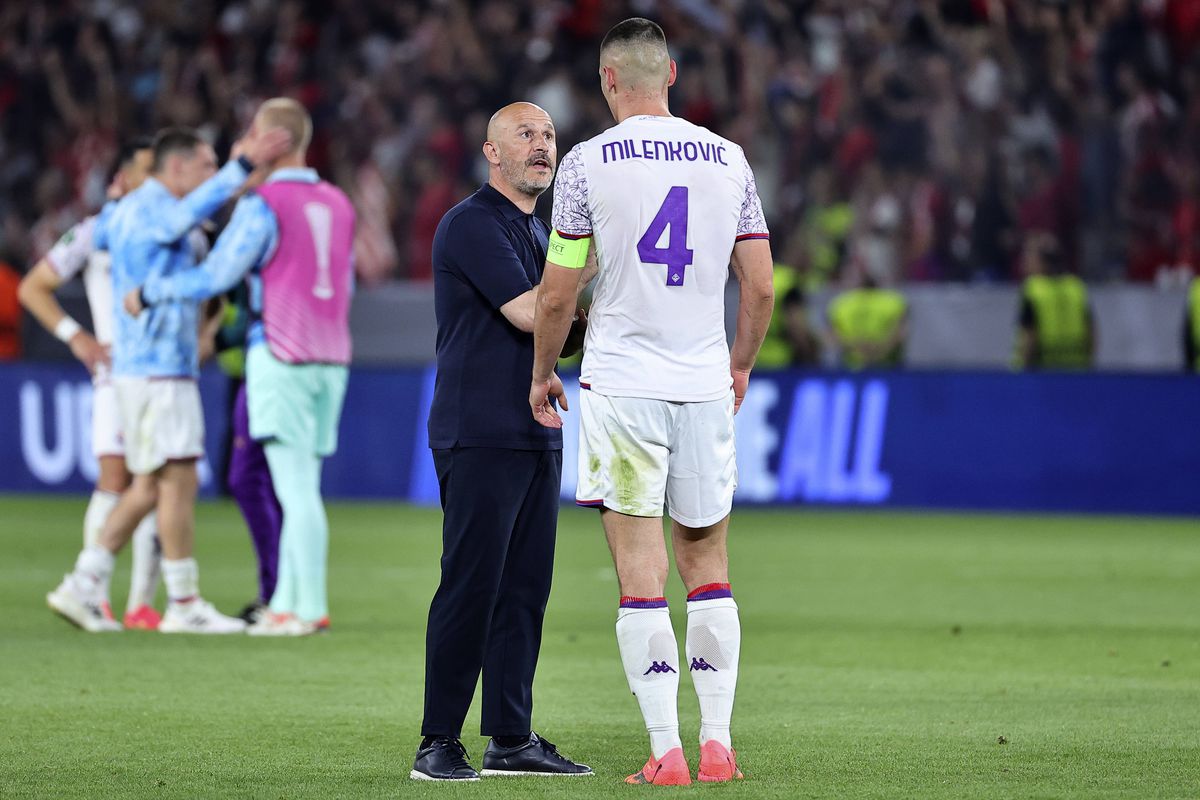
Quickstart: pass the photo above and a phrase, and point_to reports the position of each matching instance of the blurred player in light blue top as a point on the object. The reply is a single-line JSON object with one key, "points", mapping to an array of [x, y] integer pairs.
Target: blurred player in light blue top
{"points": [[293, 238], [154, 369]]}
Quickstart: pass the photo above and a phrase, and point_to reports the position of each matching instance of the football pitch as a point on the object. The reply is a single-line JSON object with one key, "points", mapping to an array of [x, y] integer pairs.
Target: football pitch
{"points": [[884, 655]]}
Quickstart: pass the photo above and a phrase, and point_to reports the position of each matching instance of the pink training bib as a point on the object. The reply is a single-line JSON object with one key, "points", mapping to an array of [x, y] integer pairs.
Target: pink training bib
{"points": [[306, 284]]}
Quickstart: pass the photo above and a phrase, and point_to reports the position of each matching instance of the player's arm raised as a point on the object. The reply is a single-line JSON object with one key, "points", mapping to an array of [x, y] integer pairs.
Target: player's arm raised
{"points": [[204, 201], [242, 244], [754, 269]]}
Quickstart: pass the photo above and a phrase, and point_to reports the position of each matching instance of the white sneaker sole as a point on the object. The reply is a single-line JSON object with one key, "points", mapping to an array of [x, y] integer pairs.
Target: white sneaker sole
{"points": [[421, 776], [508, 773], [200, 631]]}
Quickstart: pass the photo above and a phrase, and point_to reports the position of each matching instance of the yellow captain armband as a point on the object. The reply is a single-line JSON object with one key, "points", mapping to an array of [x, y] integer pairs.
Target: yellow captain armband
{"points": [[569, 253]]}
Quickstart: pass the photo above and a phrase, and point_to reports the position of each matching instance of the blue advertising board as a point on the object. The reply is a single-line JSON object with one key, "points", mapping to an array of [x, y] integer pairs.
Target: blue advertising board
{"points": [[1060, 442]]}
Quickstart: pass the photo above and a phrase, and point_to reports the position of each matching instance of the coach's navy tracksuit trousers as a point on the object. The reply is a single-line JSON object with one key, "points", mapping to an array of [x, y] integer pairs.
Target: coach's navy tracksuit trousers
{"points": [[500, 514]]}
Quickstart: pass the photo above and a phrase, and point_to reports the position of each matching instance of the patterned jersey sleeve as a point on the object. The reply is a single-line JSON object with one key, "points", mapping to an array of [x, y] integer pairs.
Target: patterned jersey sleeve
{"points": [[69, 255], [571, 216], [752, 224]]}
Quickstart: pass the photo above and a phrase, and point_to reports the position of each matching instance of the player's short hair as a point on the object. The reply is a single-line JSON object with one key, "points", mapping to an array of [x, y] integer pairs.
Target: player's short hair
{"points": [[174, 140], [289, 114], [634, 31], [127, 151], [131, 148]]}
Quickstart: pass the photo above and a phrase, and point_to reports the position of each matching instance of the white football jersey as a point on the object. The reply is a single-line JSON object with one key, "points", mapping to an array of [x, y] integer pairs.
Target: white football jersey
{"points": [[75, 253], [664, 201]]}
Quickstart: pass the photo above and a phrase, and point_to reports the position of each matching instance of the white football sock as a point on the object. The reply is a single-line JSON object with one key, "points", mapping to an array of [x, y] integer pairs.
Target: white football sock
{"points": [[143, 579], [182, 577], [98, 509], [714, 640], [93, 570], [651, 658]]}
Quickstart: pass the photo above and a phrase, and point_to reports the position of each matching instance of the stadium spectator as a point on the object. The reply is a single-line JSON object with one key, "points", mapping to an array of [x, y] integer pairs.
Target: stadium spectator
{"points": [[1055, 328], [915, 88], [10, 313], [1191, 329], [790, 340], [869, 324]]}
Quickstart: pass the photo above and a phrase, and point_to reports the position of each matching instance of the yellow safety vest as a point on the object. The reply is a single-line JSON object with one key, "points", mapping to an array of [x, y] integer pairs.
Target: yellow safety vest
{"points": [[1060, 310], [233, 359], [775, 352], [1193, 312], [871, 315]]}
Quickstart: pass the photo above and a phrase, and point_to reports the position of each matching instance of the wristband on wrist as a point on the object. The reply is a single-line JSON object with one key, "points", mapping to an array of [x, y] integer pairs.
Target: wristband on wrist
{"points": [[246, 163], [142, 297], [66, 329]]}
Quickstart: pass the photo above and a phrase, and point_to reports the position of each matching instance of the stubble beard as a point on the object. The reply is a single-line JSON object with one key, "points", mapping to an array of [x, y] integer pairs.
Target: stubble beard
{"points": [[515, 175]]}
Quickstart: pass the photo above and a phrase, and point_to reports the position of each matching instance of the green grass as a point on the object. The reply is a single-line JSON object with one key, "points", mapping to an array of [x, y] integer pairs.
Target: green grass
{"points": [[884, 655]]}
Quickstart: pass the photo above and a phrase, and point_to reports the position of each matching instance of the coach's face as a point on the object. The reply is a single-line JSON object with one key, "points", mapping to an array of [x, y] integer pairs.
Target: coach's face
{"points": [[195, 168], [523, 146]]}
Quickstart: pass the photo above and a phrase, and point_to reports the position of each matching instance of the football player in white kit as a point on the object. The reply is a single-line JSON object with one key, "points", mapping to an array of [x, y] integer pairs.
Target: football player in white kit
{"points": [[666, 206], [74, 254]]}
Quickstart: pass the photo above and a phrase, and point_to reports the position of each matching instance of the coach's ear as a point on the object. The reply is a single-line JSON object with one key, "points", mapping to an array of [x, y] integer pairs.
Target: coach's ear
{"points": [[491, 154], [673, 73]]}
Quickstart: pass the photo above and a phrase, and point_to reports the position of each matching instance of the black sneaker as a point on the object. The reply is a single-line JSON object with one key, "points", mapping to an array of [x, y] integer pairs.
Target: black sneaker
{"points": [[534, 757], [253, 611], [443, 759]]}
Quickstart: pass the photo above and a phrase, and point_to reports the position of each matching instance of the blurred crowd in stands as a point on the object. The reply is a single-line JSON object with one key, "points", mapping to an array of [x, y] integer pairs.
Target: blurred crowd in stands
{"points": [[904, 140]]}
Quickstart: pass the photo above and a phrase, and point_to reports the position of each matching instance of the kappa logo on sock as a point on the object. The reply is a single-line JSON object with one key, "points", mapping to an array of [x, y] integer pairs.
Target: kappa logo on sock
{"points": [[659, 667], [700, 665]]}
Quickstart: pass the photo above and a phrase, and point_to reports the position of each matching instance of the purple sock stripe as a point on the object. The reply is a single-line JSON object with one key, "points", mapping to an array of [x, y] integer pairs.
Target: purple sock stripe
{"points": [[643, 602], [710, 594]]}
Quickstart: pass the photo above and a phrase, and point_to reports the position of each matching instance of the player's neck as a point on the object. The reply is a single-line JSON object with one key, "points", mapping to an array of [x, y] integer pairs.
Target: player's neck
{"points": [[640, 106], [295, 161]]}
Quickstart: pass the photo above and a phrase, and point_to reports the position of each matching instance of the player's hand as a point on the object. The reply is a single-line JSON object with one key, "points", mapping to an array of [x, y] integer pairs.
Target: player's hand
{"points": [[133, 302], [263, 148], [741, 380], [540, 394], [90, 353]]}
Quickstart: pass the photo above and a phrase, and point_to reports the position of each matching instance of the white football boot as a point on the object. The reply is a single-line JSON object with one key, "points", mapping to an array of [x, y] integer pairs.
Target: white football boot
{"points": [[283, 625], [198, 616], [92, 613]]}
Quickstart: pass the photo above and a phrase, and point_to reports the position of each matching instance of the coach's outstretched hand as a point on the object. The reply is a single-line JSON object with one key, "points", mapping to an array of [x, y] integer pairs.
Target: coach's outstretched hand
{"points": [[540, 394]]}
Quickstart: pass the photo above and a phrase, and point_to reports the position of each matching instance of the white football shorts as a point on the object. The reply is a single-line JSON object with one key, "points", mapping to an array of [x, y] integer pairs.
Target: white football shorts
{"points": [[634, 453], [106, 419], [162, 420]]}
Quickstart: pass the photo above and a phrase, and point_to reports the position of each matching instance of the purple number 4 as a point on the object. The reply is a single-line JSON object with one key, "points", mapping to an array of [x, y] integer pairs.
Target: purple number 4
{"points": [[676, 255]]}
